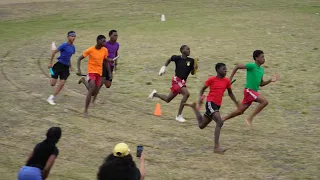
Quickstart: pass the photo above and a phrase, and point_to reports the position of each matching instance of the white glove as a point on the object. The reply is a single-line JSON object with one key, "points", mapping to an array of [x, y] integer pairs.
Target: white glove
{"points": [[162, 70]]}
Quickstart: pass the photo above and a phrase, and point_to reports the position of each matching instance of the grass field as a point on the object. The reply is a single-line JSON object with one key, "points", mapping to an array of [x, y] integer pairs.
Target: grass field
{"points": [[284, 143]]}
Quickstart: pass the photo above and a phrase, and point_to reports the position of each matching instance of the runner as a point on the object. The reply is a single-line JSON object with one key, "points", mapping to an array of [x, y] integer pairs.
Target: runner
{"points": [[184, 66], [62, 67], [217, 84], [97, 56], [254, 79], [113, 46]]}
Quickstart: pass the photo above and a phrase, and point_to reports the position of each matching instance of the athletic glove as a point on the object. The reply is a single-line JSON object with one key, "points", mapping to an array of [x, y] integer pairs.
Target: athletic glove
{"points": [[162, 70]]}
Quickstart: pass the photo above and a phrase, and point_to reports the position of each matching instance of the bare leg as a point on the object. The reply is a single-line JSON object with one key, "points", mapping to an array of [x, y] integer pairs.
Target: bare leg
{"points": [[92, 91], [185, 93], [53, 82], [98, 90], [83, 80], [203, 121], [50, 99], [165, 97], [262, 104], [237, 112], [219, 123], [59, 88]]}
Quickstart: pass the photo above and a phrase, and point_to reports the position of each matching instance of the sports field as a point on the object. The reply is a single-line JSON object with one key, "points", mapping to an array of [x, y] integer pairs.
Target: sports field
{"points": [[284, 142]]}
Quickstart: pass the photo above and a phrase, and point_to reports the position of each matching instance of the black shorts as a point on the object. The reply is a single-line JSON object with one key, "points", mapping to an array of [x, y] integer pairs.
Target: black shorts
{"points": [[60, 70], [105, 73], [211, 108]]}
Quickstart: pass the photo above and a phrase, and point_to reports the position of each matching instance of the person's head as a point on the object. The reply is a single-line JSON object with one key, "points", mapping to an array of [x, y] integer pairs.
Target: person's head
{"points": [[71, 36], [53, 135], [258, 56], [113, 35], [118, 165], [221, 69], [101, 40], [185, 50]]}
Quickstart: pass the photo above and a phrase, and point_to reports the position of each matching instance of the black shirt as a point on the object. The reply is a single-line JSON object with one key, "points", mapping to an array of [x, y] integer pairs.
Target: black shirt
{"points": [[115, 170], [41, 154], [183, 66]]}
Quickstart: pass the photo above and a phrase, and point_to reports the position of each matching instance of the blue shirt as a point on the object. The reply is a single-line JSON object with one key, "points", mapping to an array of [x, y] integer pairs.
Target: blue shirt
{"points": [[66, 51]]}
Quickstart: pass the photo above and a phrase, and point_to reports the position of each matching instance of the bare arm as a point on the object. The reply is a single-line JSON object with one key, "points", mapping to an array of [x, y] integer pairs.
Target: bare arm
{"points": [[274, 78], [52, 57], [263, 82], [78, 65], [142, 167], [116, 63], [106, 64], [71, 67], [203, 89], [116, 58], [238, 66], [232, 96], [29, 157], [163, 68], [47, 168]]}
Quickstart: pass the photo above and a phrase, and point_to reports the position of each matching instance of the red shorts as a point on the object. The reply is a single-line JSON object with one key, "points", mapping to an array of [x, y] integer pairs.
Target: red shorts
{"points": [[249, 96], [96, 77], [177, 84]]}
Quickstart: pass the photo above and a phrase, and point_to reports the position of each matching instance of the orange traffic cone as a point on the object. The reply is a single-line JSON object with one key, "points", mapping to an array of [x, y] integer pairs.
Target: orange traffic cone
{"points": [[157, 110]]}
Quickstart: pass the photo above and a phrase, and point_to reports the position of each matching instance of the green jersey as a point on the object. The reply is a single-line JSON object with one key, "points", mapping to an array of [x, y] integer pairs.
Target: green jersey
{"points": [[254, 76]]}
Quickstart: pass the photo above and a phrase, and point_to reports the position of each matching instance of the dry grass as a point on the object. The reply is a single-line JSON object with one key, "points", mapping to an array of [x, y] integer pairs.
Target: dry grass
{"points": [[283, 145]]}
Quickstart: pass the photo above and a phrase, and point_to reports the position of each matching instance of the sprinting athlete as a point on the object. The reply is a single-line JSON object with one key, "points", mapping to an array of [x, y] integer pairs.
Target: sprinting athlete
{"points": [[254, 79], [113, 46], [217, 84], [97, 55], [61, 68], [184, 66]]}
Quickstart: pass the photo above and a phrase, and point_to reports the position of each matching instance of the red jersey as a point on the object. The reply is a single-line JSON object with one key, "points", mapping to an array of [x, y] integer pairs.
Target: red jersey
{"points": [[217, 87]]}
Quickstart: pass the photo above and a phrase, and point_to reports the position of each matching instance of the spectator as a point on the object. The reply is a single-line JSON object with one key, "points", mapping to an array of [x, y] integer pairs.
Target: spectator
{"points": [[119, 165], [42, 157]]}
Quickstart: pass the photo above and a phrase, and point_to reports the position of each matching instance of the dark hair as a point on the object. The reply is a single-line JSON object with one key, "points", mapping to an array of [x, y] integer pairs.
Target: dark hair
{"points": [[100, 37], [53, 135], [256, 53], [219, 65], [70, 32], [182, 47], [112, 31], [49, 144], [117, 168]]}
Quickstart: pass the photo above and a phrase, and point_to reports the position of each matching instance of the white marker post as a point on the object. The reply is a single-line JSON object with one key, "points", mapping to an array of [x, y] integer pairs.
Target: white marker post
{"points": [[163, 18]]}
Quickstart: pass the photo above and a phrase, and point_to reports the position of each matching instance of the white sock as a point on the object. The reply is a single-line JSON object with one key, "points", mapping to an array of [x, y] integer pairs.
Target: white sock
{"points": [[51, 97]]}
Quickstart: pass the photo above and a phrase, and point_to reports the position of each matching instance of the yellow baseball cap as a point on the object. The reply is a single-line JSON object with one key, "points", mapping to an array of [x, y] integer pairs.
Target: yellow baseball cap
{"points": [[121, 150]]}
